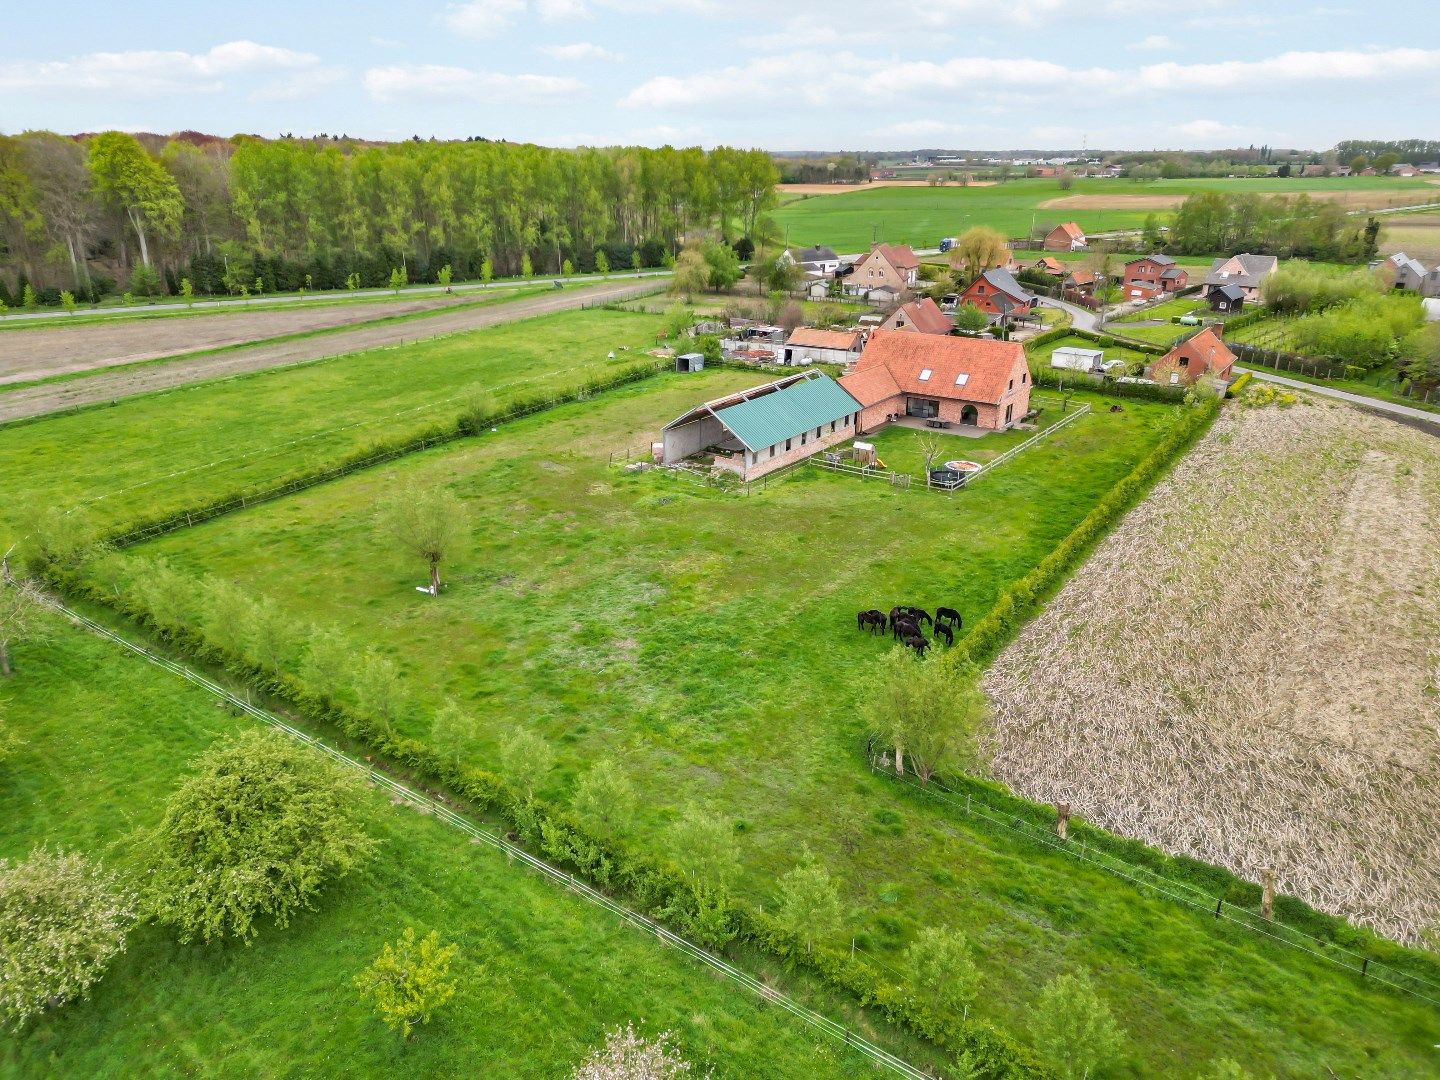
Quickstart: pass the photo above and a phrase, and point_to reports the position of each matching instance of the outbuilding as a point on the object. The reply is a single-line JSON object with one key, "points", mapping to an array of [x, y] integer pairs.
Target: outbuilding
{"points": [[1075, 359], [809, 346]]}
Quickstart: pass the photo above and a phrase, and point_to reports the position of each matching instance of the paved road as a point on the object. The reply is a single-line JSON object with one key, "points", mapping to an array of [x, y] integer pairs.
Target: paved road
{"points": [[114, 383], [310, 298], [1080, 318], [1373, 404]]}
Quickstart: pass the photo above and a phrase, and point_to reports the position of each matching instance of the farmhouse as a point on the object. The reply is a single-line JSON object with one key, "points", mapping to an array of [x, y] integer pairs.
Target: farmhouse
{"points": [[1081, 282], [973, 382], [765, 428], [884, 265], [1067, 237], [919, 317], [809, 346], [1200, 354], [998, 293], [1153, 275], [1244, 271]]}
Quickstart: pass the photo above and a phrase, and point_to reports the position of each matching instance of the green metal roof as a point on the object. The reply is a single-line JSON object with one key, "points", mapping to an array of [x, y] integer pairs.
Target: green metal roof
{"points": [[784, 414]]}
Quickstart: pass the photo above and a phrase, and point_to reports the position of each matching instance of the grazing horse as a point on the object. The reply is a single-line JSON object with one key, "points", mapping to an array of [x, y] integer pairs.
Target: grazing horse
{"points": [[918, 643], [898, 613], [904, 627], [870, 620], [921, 615], [949, 614], [941, 630]]}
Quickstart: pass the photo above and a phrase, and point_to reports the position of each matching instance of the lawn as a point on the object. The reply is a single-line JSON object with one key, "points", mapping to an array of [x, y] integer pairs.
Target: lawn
{"points": [[167, 451], [543, 974], [1180, 305], [921, 216], [1039, 355], [706, 642]]}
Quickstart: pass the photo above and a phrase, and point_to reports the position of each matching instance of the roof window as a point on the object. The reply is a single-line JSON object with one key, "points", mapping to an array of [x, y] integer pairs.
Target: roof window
{"points": [[925, 375], [962, 378]]}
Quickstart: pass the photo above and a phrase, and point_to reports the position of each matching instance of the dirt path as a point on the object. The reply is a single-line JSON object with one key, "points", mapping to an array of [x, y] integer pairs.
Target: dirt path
{"points": [[115, 384], [63, 350]]}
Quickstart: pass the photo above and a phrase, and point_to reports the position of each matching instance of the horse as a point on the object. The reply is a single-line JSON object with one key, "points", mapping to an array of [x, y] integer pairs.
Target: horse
{"points": [[921, 615], [904, 627], [941, 630], [898, 613], [949, 614], [918, 643], [869, 620]]}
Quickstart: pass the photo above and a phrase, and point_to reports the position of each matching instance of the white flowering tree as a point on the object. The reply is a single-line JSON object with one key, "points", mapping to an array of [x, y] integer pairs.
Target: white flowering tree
{"points": [[625, 1055]]}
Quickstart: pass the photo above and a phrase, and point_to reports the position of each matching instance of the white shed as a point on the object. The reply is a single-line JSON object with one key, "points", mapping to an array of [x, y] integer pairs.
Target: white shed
{"points": [[1074, 359]]}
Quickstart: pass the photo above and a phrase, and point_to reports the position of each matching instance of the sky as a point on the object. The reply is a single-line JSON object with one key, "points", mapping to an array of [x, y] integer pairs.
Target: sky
{"points": [[837, 75]]}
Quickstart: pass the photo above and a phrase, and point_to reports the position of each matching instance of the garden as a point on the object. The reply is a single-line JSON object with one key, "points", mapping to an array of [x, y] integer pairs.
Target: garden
{"points": [[656, 636]]}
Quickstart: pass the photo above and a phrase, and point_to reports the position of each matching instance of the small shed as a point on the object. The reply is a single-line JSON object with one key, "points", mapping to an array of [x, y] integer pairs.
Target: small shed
{"points": [[1226, 298], [690, 361], [1074, 359]]}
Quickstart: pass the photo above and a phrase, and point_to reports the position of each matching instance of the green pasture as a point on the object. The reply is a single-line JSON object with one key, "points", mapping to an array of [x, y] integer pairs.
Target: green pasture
{"points": [[706, 642], [542, 975]]}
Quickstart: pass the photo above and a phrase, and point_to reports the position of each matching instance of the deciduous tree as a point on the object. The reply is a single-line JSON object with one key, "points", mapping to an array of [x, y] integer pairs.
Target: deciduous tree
{"points": [[133, 183], [941, 969], [978, 249], [428, 523], [409, 981], [21, 619], [929, 709], [1073, 1028], [692, 274], [525, 759], [605, 797], [809, 902], [626, 1055]]}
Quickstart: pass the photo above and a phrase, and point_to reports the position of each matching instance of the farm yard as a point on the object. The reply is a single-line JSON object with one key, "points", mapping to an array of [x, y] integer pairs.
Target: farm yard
{"points": [[544, 974], [1257, 686], [921, 216], [685, 634]]}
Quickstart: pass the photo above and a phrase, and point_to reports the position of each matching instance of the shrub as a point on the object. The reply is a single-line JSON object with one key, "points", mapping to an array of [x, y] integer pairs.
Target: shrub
{"points": [[1074, 1029], [63, 919], [626, 1056], [409, 980], [259, 828]]}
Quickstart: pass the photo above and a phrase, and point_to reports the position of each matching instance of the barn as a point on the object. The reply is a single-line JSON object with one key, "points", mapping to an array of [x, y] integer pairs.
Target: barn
{"points": [[765, 428]]}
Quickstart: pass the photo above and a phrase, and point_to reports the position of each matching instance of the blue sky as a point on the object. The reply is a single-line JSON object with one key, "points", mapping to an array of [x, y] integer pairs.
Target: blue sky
{"points": [[842, 74]]}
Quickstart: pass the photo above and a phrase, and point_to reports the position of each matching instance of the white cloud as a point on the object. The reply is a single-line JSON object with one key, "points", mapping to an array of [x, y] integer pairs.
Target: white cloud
{"points": [[1208, 130], [483, 18], [432, 82], [299, 85], [145, 73], [1155, 42], [560, 10], [1295, 67], [581, 50]]}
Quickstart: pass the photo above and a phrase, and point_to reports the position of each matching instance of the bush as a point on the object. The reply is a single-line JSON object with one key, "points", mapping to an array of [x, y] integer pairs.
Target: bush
{"points": [[409, 980], [63, 919], [260, 827]]}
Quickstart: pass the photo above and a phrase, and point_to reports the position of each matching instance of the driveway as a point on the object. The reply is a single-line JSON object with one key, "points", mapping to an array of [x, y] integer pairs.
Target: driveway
{"points": [[1384, 408], [115, 383], [1080, 318]]}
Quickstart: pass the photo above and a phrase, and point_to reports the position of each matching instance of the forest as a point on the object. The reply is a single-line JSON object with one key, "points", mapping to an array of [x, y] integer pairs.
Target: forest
{"points": [[91, 215], [1292, 226]]}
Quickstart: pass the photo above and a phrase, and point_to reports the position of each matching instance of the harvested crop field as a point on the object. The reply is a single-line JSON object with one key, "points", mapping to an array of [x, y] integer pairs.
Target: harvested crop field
{"points": [[1363, 199], [1417, 235], [845, 189], [1247, 671]]}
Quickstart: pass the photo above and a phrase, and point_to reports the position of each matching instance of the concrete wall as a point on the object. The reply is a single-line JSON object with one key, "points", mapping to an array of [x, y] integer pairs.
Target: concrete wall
{"points": [[681, 442]]}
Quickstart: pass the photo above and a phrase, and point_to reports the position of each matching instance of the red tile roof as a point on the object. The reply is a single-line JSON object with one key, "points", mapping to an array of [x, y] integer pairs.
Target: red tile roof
{"points": [[990, 366], [1206, 352], [926, 317], [899, 256], [871, 386], [825, 339], [1081, 277], [1050, 265], [1071, 230]]}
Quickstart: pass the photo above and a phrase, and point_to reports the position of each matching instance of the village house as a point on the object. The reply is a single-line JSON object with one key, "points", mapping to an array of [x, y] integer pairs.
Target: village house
{"points": [[971, 382], [809, 346], [1246, 272], [1402, 272], [1200, 354], [815, 261], [997, 293], [757, 431], [1226, 299], [1080, 282], [1404, 170], [1066, 237], [1150, 276], [921, 316], [1048, 264], [892, 266]]}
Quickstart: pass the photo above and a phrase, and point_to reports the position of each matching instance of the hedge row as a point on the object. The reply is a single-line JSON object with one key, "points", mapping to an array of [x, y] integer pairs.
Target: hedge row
{"points": [[468, 423], [1233, 390], [1247, 318], [646, 884], [1055, 378]]}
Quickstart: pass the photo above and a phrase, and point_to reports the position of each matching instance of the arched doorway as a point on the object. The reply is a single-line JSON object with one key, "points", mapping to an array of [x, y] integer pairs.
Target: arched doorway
{"points": [[969, 415]]}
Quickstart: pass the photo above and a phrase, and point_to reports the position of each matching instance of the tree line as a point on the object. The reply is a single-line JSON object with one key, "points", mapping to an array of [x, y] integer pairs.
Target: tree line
{"points": [[1292, 226], [88, 213]]}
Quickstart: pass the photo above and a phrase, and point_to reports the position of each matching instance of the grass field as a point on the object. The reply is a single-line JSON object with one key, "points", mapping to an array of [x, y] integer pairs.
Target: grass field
{"points": [[921, 216], [707, 643], [1418, 235], [167, 451], [1039, 356], [542, 974]]}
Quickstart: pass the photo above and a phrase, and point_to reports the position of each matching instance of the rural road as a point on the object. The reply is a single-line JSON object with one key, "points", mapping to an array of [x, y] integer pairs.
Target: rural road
{"points": [[1080, 318], [310, 298], [1372, 404], [115, 383]]}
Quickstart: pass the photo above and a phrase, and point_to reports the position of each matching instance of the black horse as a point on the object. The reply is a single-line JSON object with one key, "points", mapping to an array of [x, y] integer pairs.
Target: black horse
{"points": [[904, 627], [941, 630], [871, 620], [918, 643], [898, 613], [920, 615], [948, 614]]}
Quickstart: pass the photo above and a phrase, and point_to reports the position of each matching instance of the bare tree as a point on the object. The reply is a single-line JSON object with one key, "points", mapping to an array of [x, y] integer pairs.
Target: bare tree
{"points": [[929, 447]]}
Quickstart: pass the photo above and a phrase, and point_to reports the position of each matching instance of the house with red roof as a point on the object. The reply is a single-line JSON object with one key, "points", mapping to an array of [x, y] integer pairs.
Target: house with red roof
{"points": [[972, 382], [921, 316], [1081, 282], [1200, 354], [1067, 237], [1150, 276], [1048, 264], [892, 266]]}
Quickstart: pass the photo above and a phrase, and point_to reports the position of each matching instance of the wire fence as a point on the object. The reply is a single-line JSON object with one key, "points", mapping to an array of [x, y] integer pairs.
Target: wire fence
{"points": [[1180, 892], [429, 804]]}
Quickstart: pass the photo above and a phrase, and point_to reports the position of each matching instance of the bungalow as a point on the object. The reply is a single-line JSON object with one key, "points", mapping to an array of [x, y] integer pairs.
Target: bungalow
{"points": [[1199, 354], [998, 293], [974, 382], [1226, 299], [808, 346], [1083, 282], [757, 431], [1067, 237], [1048, 264], [1153, 275], [921, 316], [817, 261], [892, 265], [1246, 271]]}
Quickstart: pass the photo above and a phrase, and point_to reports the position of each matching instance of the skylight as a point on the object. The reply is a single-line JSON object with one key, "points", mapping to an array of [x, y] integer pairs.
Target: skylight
{"points": [[925, 375], [962, 378]]}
